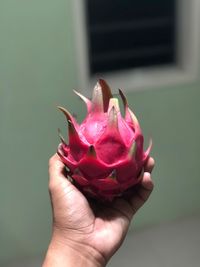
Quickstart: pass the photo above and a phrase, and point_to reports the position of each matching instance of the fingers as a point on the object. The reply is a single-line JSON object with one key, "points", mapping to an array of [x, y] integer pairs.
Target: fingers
{"points": [[142, 193]]}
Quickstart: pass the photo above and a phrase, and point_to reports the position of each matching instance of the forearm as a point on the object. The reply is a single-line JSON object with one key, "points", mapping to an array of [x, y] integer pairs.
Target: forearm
{"points": [[67, 256]]}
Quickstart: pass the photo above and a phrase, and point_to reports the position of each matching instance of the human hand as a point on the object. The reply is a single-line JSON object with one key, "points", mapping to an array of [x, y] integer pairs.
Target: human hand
{"points": [[88, 233]]}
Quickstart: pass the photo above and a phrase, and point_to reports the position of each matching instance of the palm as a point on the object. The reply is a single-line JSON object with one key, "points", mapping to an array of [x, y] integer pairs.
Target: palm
{"points": [[101, 226]]}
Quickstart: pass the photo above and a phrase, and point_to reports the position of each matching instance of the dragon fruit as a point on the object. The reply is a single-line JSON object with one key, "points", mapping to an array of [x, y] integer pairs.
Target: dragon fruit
{"points": [[104, 156]]}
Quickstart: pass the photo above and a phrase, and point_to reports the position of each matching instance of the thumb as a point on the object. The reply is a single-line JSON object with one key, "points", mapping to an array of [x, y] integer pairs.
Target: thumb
{"points": [[57, 174]]}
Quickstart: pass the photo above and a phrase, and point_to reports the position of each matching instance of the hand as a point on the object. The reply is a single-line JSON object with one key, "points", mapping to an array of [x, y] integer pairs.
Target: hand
{"points": [[88, 233]]}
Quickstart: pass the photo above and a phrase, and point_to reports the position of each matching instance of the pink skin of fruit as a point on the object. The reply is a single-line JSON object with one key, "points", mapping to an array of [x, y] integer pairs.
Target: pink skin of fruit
{"points": [[105, 155]]}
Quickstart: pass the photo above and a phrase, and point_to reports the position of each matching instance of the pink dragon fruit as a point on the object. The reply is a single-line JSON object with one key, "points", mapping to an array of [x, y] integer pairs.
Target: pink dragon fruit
{"points": [[104, 156]]}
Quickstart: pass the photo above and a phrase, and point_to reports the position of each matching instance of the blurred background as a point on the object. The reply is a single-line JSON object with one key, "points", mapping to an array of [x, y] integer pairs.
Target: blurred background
{"points": [[38, 70]]}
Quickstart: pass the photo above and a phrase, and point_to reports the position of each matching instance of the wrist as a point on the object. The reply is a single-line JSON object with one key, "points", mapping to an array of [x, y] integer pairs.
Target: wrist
{"points": [[70, 254]]}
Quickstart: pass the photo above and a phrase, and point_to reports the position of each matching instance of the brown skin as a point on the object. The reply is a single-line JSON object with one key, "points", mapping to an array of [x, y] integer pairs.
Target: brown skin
{"points": [[87, 233]]}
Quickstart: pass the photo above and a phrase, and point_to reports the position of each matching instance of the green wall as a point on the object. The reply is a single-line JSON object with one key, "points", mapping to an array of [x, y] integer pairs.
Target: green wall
{"points": [[37, 72]]}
